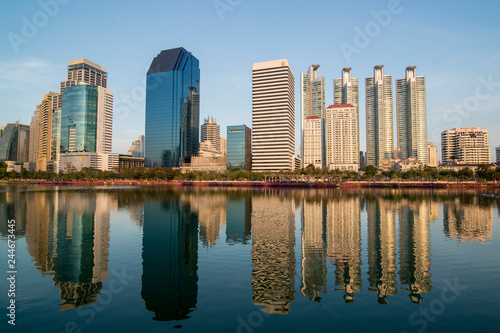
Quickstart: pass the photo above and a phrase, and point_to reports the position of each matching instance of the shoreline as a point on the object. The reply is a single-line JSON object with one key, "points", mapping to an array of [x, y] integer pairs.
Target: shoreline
{"points": [[258, 184]]}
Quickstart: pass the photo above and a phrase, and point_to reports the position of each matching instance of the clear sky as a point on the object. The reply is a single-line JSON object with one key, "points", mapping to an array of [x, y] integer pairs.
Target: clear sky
{"points": [[454, 44]]}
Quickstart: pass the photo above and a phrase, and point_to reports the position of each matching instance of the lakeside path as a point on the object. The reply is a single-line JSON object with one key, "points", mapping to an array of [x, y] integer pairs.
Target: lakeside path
{"points": [[377, 184]]}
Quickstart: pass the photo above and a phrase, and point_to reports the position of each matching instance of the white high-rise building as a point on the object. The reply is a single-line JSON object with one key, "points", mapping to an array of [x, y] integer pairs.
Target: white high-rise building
{"points": [[342, 137], [33, 151], [273, 116], [313, 136], [412, 116], [312, 99], [379, 117], [469, 145], [346, 89], [210, 131]]}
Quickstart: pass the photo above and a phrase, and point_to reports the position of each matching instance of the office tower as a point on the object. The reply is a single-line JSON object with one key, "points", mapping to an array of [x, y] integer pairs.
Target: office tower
{"points": [[273, 116], [33, 149], [210, 131], [432, 155], [83, 71], [14, 144], [312, 98], [313, 249], [273, 253], [342, 137], [239, 147], [169, 258], [49, 104], [379, 127], [412, 116], [313, 136], [466, 144], [172, 109], [346, 89], [498, 154], [137, 147]]}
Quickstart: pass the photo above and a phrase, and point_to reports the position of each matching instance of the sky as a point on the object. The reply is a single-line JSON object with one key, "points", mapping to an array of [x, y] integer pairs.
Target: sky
{"points": [[454, 44]]}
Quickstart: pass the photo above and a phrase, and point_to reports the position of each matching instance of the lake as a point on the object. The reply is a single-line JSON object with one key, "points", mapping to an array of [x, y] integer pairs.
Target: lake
{"points": [[156, 259]]}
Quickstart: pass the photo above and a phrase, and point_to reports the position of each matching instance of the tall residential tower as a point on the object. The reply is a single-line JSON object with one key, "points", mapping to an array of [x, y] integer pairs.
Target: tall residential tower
{"points": [[412, 116], [379, 126]]}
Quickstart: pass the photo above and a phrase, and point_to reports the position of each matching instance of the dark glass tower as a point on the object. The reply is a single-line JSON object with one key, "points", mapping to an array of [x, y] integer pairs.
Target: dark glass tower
{"points": [[172, 109]]}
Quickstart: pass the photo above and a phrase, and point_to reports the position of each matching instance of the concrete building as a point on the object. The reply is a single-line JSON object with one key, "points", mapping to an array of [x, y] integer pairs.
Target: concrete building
{"points": [[76, 161], [273, 116], [379, 117], [432, 155], [82, 71], [408, 163], [172, 109], [210, 131], [465, 145], [14, 143], [137, 147], [498, 154], [239, 147], [312, 99], [33, 149], [412, 116], [342, 137], [314, 141], [49, 104], [223, 145]]}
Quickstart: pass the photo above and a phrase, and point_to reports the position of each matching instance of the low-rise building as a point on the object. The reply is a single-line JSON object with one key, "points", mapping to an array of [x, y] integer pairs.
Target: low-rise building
{"points": [[408, 163]]}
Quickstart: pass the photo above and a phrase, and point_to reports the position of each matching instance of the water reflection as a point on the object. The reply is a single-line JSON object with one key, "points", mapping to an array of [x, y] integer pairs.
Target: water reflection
{"points": [[68, 236], [170, 257]]}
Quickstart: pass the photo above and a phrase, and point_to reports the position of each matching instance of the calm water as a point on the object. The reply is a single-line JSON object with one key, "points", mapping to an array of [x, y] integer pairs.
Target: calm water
{"points": [[229, 260]]}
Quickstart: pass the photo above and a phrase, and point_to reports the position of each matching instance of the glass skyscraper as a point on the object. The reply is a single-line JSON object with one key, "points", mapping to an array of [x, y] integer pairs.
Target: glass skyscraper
{"points": [[172, 109], [14, 144], [79, 119], [239, 146]]}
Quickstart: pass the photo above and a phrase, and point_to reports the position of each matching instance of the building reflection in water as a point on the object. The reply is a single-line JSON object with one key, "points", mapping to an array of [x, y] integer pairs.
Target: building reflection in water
{"points": [[382, 247], [313, 248], [211, 209], [344, 242], [414, 247], [67, 234], [239, 218], [170, 257], [273, 255], [470, 222]]}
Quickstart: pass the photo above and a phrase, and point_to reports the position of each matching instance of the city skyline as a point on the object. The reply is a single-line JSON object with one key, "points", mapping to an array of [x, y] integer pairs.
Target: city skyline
{"points": [[446, 41]]}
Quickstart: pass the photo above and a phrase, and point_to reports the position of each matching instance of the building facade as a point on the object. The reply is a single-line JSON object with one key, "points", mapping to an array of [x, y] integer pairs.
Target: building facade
{"points": [[33, 149], [412, 116], [342, 137], [49, 104], [432, 155], [498, 154], [379, 117], [239, 147], [312, 99], [137, 147], [346, 89], [14, 143], [210, 131], [172, 109], [465, 145], [314, 142], [273, 116]]}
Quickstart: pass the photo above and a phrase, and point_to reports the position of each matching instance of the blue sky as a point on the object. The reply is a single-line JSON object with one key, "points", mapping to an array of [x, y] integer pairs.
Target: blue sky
{"points": [[455, 45]]}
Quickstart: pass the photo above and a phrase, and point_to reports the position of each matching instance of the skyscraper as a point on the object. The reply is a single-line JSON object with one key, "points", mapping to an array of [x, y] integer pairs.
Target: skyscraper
{"points": [[49, 104], [432, 155], [498, 154], [172, 109], [379, 127], [412, 116], [465, 144], [273, 116], [342, 137], [137, 147], [210, 131], [313, 142], [346, 89], [33, 149], [14, 144], [239, 147], [312, 99]]}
